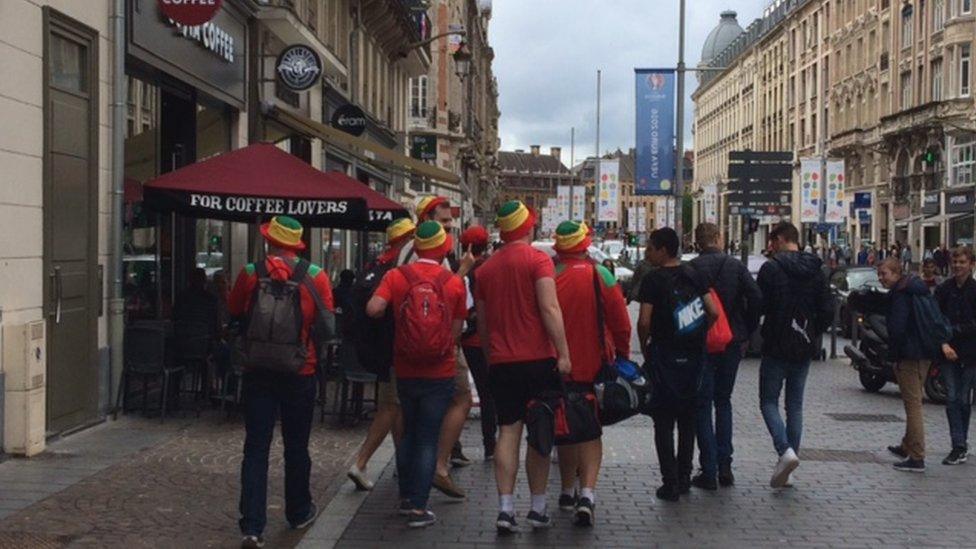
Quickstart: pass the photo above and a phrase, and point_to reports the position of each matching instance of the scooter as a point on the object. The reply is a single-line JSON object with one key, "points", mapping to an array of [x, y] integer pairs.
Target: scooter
{"points": [[869, 351]]}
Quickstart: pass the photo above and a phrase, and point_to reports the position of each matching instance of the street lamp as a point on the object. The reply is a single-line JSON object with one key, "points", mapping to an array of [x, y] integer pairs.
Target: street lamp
{"points": [[462, 61]]}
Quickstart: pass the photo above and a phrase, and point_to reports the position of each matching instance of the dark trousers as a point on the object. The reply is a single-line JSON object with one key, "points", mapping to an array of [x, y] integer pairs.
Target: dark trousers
{"points": [[489, 420], [268, 396], [718, 380], [424, 403], [682, 415], [959, 379]]}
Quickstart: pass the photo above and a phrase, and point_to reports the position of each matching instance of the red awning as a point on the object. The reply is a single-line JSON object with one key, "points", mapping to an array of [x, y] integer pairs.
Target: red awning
{"points": [[262, 180]]}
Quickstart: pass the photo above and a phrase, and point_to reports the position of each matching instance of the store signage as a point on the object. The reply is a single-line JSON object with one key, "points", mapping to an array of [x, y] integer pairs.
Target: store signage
{"points": [[351, 119], [959, 202], [862, 201], [210, 36], [190, 12], [423, 147], [930, 204], [299, 67], [271, 206]]}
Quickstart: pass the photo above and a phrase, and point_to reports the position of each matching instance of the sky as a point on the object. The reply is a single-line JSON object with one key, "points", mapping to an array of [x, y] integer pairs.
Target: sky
{"points": [[547, 53]]}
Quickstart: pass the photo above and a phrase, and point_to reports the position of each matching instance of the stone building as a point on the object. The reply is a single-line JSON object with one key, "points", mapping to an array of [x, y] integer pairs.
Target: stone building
{"points": [[532, 177]]}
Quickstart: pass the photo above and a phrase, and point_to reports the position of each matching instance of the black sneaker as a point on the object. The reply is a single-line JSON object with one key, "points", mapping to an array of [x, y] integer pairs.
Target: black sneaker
{"points": [[567, 502], [458, 459], [313, 513], [505, 523], [584, 512], [538, 520], [667, 492], [957, 456], [703, 482], [725, 476], [684, 485], [911, 466], [898, 451], [421, 519], [252, 542], [405, 508]]}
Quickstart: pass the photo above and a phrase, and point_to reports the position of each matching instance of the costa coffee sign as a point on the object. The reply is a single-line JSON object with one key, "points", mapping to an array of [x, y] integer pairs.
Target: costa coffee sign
{"points": [[189, 12], [350, 119]]}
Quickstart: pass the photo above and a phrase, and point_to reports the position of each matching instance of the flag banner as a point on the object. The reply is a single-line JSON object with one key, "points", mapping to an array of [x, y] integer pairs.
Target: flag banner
{"points": [[809, 190], [641, 219], [836, 210], [578, 201], [608, 201], [655, 131], [562, 201], [711, 203], [661, 213], [632, 219]]}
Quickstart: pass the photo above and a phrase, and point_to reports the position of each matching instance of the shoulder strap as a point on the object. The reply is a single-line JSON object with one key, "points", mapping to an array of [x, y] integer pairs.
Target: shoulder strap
{"points": [[261, 268], [442, 279], [408, 272], [300, 270], [600, 315]]}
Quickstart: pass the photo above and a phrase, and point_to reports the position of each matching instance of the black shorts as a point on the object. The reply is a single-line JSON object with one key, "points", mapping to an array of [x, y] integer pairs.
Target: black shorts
{"points": [[514, 384]]}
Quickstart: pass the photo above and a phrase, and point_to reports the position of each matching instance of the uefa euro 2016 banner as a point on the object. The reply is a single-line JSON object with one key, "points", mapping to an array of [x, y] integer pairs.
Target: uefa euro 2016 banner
{"points": [[654, 165]]}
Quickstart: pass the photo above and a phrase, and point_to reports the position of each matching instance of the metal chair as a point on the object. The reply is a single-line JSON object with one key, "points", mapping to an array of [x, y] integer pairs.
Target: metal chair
{"points": [[144, 355], [193, 344], [351, 380]]}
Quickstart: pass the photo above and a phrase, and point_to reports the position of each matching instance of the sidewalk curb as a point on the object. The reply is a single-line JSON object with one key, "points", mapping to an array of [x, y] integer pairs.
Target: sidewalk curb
{"points": [[342, 508]]}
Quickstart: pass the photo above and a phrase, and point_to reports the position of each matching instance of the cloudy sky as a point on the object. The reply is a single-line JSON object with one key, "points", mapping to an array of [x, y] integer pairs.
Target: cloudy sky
{"points": [[547, 53]]}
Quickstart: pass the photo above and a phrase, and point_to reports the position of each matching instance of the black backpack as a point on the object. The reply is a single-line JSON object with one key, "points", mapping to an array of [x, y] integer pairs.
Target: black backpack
{"points": [[687, 310], [371, 338], [798, 332]]}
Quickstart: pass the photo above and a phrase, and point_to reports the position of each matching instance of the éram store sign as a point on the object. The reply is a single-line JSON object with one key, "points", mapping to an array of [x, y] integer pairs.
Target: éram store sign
{"points": [[190, 12], [297, 207]]}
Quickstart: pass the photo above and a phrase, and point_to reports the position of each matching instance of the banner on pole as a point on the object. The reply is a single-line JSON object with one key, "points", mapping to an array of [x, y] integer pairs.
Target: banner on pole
{"points": [[608, 201], [809, 190], [578, 200], [654, 165], [562, 201], [632, 219], [836, 210], [711, 203], [661, 212], [641, 219]]}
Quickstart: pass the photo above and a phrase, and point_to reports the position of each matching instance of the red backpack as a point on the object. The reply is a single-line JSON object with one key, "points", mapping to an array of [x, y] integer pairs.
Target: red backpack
{"points": [[423, 324]]}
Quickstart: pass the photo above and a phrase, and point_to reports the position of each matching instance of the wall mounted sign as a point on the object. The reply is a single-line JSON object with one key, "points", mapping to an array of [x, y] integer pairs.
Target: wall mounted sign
{"points": [[209, 36], [960, 202], [299, 67], [350, 119], [190, 12], [931, 203], [423, 147]]}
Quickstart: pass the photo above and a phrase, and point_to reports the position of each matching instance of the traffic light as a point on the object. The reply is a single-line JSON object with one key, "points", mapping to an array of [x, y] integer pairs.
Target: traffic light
{"points": [[632, 239], [753, 224], [931, 156]]}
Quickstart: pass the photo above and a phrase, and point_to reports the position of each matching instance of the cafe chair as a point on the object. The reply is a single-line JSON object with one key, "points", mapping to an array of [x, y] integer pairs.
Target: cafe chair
{"points": [[144, 356]]}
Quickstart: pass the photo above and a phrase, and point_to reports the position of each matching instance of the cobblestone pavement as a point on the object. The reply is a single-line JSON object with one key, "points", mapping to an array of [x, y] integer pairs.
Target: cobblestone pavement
{"points": [[846, 492], [176, 485]]}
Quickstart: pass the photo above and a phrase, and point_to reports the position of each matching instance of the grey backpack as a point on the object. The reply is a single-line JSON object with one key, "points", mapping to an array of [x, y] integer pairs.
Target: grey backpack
{"points": [[273, 337]]}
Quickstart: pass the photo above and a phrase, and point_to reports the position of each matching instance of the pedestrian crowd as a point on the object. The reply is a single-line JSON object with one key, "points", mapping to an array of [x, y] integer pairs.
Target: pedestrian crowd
{"points": [[546, 341]]}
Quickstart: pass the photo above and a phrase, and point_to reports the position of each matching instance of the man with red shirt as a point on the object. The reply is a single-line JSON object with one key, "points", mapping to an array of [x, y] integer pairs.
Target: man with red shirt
{"points": [[474, 241], [422, 292], [521, 329], [268, 395], [577, 280]]}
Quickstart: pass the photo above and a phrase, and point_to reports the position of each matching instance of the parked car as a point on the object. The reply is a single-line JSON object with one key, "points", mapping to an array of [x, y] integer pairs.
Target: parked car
{"points": [[845, 280], [613, 248]]}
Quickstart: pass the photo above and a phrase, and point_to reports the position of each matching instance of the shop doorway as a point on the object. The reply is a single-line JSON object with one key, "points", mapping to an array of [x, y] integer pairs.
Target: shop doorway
{"points": [[71, 287]]}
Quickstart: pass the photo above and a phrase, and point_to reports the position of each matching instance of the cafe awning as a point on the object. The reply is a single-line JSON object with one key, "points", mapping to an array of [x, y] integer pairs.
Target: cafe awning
{"points": [[939, 219], [262, 180]]}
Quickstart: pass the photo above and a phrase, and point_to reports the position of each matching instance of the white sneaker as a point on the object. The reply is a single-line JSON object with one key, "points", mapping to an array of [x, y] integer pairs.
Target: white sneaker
{"points": [[790, 480], [787, 463], [358, 477]]}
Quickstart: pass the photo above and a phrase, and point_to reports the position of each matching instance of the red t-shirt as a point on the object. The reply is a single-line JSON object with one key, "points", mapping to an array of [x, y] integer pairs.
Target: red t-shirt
{"points": [[280, 268], [577, 299], [506, 283], [393, 289]]}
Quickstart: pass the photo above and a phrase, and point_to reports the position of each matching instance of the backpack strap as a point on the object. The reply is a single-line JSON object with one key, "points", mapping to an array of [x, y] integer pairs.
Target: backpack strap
{"points": [[409, 273], [300, 270], [442, 279], [261, 268], [600, 314]]}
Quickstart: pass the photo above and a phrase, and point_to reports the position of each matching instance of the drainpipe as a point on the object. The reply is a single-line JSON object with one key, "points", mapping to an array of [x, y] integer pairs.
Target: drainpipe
{"points": [[116, 304]]}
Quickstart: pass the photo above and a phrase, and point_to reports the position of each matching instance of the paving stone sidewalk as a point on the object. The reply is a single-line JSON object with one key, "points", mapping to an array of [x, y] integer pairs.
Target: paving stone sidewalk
{"points": [[141, 483], [846, 492]]}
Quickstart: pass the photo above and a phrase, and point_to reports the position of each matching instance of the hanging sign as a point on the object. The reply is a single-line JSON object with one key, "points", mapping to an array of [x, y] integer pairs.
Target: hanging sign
{"points": [[654, 166], [641, 219], [809, 190], [299, 67], [608, 191], [578, 201], [711, 203], [563, 201], [189, 12], [835, 212], [352, 120]]}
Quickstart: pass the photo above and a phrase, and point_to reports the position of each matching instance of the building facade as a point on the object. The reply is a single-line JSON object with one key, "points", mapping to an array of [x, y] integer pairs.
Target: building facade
{"points": [[532, 177], [884, 86]]}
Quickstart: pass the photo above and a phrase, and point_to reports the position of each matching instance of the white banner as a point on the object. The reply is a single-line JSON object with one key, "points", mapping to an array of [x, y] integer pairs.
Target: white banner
{"points": [[641, 219], [836, 204], [608, 199], [562, 202], [579, 202], [549, 222], [632, 219], [711, 203], [661, 212], [809, 190]]}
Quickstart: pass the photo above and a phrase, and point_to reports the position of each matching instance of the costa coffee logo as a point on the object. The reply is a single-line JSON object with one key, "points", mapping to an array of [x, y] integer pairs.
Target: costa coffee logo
{"points": [[299, 67], [350, 119], [189, 12]]}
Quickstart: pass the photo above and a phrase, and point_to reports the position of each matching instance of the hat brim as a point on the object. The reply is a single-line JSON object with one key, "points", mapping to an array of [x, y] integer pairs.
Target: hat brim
{"points": [[275, 242]]}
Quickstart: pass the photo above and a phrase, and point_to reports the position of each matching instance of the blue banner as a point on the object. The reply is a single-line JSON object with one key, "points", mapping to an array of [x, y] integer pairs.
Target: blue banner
{"points": [[655, 132]]}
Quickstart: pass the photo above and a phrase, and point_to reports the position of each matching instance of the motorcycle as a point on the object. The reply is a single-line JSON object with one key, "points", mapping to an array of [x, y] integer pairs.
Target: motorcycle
{"points": [[869, 355]]}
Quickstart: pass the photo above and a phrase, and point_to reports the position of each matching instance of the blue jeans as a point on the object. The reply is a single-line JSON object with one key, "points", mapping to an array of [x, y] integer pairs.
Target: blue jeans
{"points": [[424, 403], [959, 380], [773, 373], [718, 380], [268, 396]]}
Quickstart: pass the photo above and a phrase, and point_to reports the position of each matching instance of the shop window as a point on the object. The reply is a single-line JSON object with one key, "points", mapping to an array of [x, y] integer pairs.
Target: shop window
{"points": [[964, 161], [213, 127]]}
